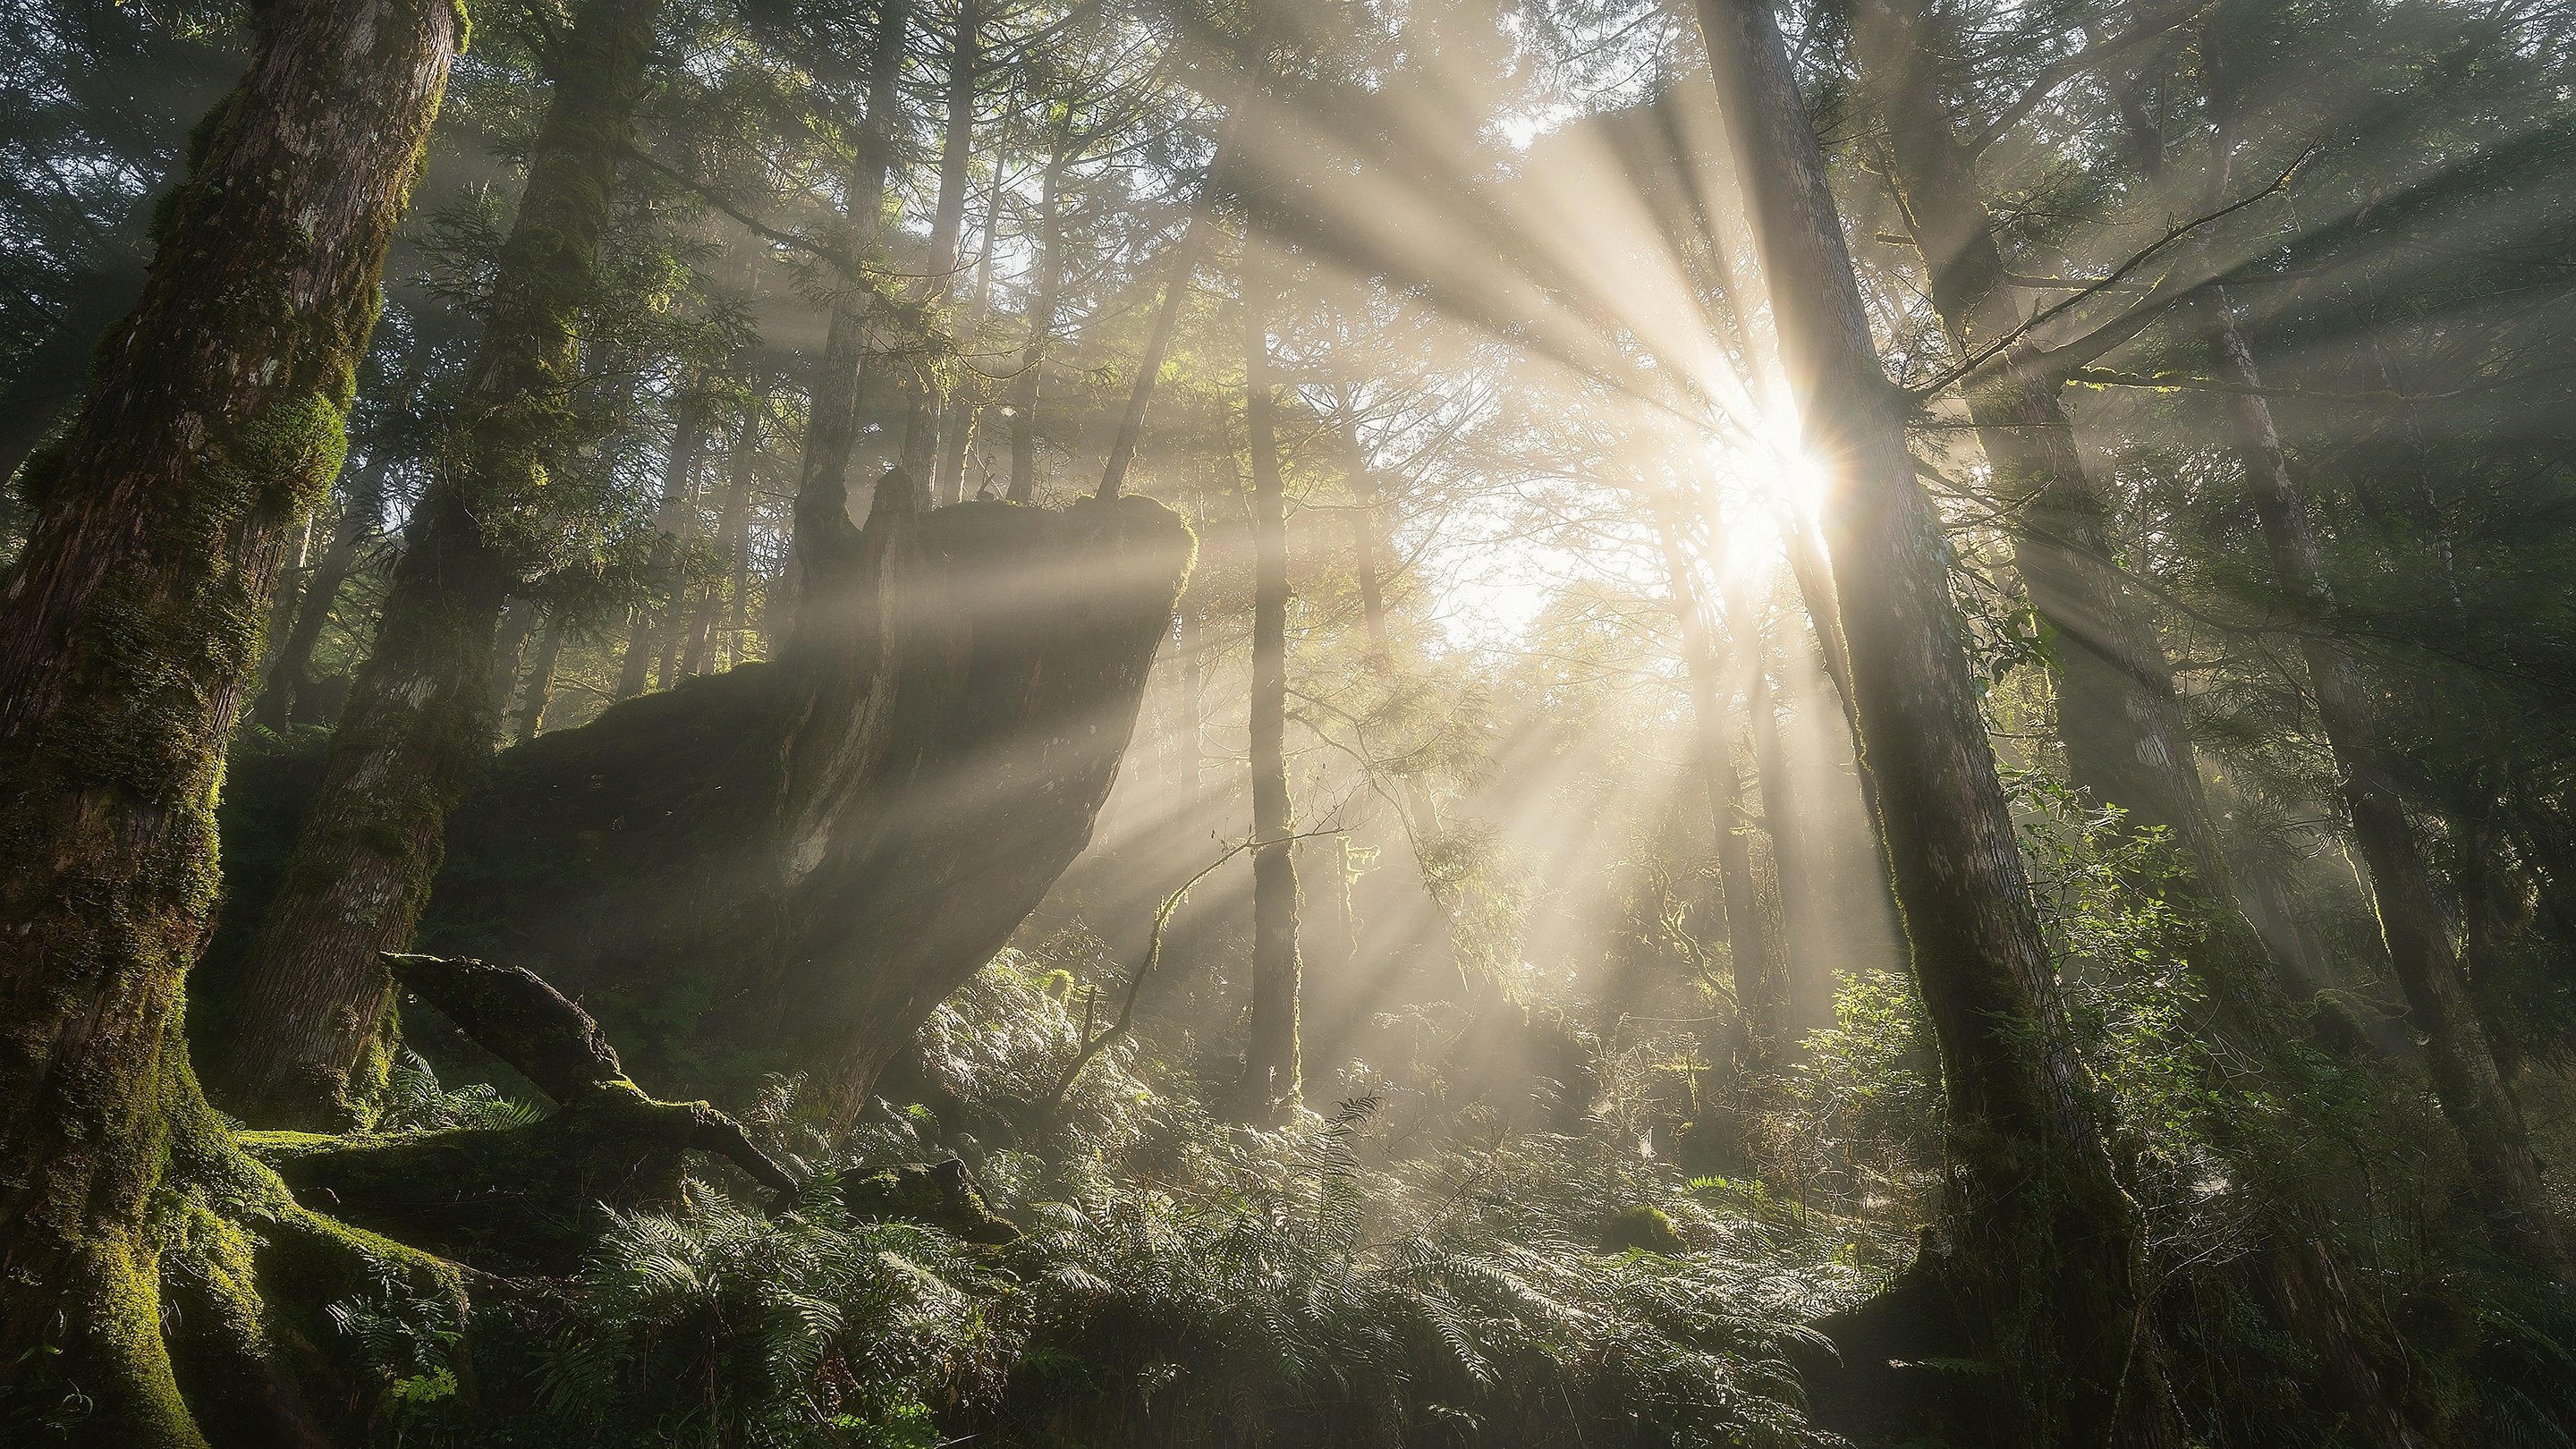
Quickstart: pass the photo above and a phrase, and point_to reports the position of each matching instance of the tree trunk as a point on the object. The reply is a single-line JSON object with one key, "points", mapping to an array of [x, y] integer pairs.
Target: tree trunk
{"points": [[358, 523], [518, 618], [2118, 715], [2503, 1171], [541, 679], [1027, 388], [1363, 486], [732, 526], [670, 531], [2041, 1253], [947, 229], [128, 631], [1807, 995], [1271, 1086], [1760, 992], [826, 542], [420, 712], [967, 408]]}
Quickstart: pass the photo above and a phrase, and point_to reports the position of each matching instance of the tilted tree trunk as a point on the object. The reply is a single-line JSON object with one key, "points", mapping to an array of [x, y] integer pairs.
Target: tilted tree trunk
{"points": [[2040, 1252], [1029, 386], [129, 629], [2472, 1092], [1271, 1071], [947, 230], [420, 713], [287, 675]]}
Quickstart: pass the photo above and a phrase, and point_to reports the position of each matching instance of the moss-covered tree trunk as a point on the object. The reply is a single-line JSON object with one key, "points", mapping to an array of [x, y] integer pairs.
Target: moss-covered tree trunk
{"points": [[2040, 1251], [130, 629], [2472, 1092], [1271, 1083], [420, 714]]}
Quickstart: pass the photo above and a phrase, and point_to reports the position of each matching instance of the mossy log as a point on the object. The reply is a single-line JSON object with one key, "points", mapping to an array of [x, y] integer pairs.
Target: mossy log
{"points": [[785, 867], [524, 1198]]}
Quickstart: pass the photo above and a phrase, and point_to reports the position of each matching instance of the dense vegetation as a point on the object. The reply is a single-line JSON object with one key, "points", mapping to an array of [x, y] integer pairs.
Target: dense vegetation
{"points": [[1376, 722]]}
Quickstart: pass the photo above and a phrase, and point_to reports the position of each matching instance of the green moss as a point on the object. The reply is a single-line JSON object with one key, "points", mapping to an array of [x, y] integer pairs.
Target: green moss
{"points": [[1644, 1228]]}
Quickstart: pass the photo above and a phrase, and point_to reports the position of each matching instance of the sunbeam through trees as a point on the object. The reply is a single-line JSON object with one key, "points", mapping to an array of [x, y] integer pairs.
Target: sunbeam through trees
{"points": [[1577, 723]]}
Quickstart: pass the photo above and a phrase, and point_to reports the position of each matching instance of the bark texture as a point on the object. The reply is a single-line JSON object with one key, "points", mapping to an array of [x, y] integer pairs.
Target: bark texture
{"points": [[420, 715], [129, 1224], [2039, 1253]]}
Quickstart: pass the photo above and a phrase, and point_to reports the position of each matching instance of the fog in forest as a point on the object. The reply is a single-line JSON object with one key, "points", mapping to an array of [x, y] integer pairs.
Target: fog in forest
{"points": [[1247, 722]]}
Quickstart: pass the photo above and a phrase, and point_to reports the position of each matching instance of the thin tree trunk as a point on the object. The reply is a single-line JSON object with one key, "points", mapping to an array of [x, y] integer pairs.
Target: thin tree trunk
{"points": [[2041, 1254], [540, 687], [966, 410], [732, 524], [1808, 993], [128, 631], [2503, 1171], [1363, 485], [947, 229], [825, 540], [670, 526], [1149, 368], [1028, 387], [518, 617], [420, 712], [1760, 991], [358, 523], [1271, 1085]]}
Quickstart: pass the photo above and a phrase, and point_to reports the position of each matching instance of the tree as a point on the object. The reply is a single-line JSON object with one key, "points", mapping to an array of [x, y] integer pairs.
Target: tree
{"points": [[2041, 1253], [214, 427], [419, 716]]}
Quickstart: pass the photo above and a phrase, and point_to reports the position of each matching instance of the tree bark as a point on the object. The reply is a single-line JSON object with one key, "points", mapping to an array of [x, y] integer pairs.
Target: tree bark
{"points": [[129, 629], [420, 712], [1271, 1085], [2503, 1171], [2041, 1249], [732, 526]]}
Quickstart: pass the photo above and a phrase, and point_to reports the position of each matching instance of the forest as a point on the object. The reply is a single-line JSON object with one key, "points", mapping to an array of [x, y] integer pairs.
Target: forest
{"points": [[1374, 723]]}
